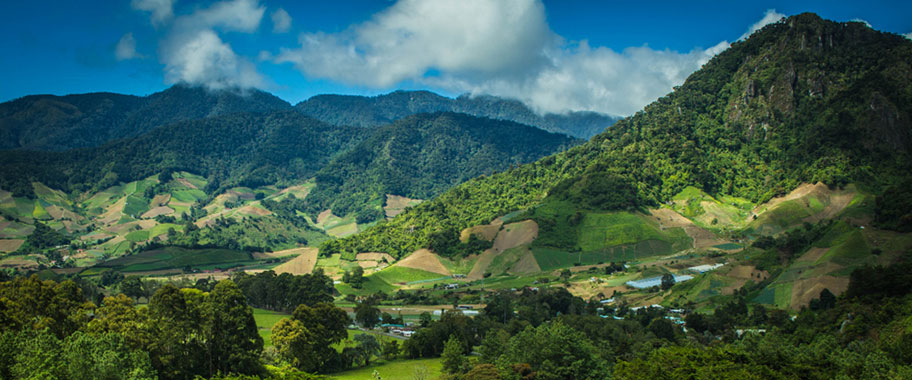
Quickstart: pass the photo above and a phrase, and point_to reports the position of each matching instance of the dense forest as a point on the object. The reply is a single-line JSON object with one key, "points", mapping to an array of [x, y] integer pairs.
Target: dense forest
{"points": [[46, 122], [802, 100], [245, 149], [422, 156], [51, 330]]}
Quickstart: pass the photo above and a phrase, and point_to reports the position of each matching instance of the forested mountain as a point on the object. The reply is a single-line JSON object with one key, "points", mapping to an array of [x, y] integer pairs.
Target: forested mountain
{"points": [[47, 122], [802, 100], [241, 149], [421, 156], [380, 110]]}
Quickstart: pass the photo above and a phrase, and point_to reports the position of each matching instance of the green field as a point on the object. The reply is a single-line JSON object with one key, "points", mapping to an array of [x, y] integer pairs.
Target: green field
{"points": [[396, 274], [265, 319], [394, 370], [137, 236], [175, 257]]}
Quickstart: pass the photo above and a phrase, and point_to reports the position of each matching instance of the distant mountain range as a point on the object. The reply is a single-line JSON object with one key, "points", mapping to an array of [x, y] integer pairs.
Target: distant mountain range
{"points": [[57, 123], [379, 110]]}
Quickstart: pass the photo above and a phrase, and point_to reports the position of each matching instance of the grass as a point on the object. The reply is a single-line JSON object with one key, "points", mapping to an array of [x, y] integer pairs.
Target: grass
{"points": [[137, 236], [397, 274], [188, 196], [370, 286], [136, 206], [600, 231], [393, 370], [175, 257], [265, 319]]}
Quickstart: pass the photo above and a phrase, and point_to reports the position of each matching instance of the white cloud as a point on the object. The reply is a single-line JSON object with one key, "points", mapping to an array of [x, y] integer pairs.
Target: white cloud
{"points": [[281, 21], [769, 17], [162, 10], [503, 48], [908, 35], [194, 53], [203, 58], [473, 38], [868, 24], [126, 48]]}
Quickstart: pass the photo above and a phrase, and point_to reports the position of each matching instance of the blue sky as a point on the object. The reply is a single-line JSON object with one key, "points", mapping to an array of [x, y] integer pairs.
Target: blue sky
{"points": [[606, 56]]}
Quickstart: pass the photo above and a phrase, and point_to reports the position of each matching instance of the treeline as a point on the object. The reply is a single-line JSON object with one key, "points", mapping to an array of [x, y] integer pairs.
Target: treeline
{"points": [[755, 122], [51, 331], [550, 334], [284, 292]]}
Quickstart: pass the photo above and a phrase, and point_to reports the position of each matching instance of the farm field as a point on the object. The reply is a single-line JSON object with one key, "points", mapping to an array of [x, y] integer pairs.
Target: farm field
{"points": [[394, 370], [177, 258], [265, 319]]}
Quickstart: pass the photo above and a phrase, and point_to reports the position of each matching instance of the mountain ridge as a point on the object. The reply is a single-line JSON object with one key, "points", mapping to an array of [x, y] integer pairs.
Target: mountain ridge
{"points": [[383, 109]]}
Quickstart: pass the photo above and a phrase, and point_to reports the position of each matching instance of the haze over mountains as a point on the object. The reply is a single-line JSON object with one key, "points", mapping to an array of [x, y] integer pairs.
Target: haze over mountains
{"points": [[47, 122]]}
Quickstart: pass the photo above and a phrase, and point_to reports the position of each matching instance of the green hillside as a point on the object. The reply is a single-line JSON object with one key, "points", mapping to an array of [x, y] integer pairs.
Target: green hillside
{"points": [[46, 122], [757, 120], [421, 156]]}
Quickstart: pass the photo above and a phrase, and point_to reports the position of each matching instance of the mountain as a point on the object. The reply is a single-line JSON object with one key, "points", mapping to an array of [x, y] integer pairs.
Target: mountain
{"points": [[801, 101], [421, 156], [240, 149], [48, 122], [380, 110]]}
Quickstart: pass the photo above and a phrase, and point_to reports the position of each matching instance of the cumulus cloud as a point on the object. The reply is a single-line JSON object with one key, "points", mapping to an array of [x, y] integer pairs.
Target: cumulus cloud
{"points": [[281, 21], [472, 38], [503, 48], [769, 17], [162, 10], [126, 48], [194, 52]]}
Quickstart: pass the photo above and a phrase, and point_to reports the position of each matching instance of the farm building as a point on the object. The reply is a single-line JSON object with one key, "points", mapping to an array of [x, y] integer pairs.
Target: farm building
{"points": [[656, 281], [700, 269]]}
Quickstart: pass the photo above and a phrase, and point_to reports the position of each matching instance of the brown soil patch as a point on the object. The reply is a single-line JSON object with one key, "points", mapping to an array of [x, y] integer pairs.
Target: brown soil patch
{"points": [[425, 260], [395, 205], [526, 264], [255, 211], [18, 262], [343, 230], [303, 264], [714, 211], [587, 290], [511, 236], [324, 216], [113, 213], [55, 211], [702, 238], [161, 210], [367, 264], [484, 260], [838, 202], [282, 253], [819, 190], [747, 272], [813, 254], [804, 290], [487, 231], [10, 245], [375, 256], [516, 234], [185, 182], [95, 236], [160, 200], [299, 191]]}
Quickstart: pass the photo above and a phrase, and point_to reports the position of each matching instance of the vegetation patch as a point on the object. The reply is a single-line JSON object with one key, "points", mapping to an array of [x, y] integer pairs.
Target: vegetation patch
{"points": [[177, 258]]}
